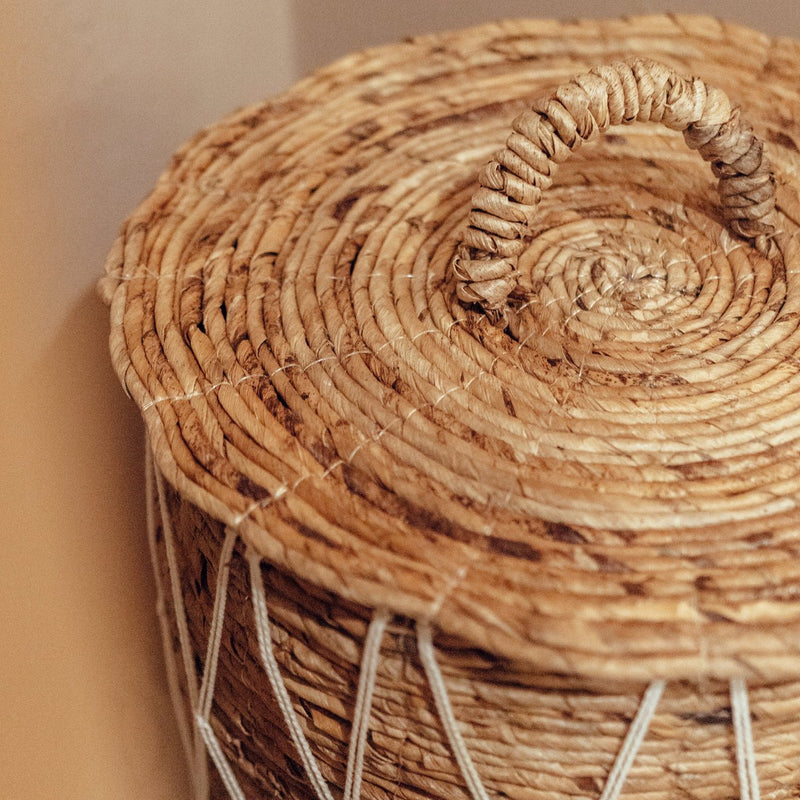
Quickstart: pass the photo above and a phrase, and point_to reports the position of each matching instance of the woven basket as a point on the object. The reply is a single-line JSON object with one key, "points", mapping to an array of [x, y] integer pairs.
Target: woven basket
{"points": [[482, 481]]}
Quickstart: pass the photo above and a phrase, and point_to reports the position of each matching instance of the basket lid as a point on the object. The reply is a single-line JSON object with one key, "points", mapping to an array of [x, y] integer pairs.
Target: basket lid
{"points": [[608, 487]]}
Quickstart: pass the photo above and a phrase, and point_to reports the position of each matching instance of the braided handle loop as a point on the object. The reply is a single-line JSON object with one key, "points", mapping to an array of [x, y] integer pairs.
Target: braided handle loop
{"points": [[511, 185]]}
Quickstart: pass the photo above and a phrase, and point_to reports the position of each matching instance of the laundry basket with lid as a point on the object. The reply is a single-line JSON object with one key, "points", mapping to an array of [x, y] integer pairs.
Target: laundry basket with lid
{"points": [[508, 510]]}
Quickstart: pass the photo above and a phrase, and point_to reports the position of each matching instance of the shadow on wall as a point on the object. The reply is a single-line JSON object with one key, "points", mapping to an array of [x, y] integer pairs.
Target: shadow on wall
{"points": [[98, 426], [83, 639], [324, 31], [103, 439]]}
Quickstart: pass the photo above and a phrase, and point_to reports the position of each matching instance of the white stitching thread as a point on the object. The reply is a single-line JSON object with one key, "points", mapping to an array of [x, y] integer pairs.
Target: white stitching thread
{"points": [[279, 689], [361, 713], [633, 741], [745, 748], [199, 764], [443, 706], [184, 730]]}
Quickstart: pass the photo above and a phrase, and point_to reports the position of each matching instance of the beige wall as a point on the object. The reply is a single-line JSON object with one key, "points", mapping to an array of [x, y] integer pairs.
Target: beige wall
{"points": [[326, 29], [96, 95]]}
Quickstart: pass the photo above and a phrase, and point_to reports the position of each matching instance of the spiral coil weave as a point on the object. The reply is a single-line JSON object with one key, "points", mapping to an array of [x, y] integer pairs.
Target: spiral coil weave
{"points": [[606, 498]]}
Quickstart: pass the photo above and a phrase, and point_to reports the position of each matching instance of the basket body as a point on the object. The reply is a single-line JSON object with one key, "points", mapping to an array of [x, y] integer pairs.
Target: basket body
{"points": [[531, 734], [535, 527]]}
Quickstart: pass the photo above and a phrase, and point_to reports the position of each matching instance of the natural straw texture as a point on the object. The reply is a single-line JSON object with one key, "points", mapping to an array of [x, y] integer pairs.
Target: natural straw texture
{"points": [[600, 497]]}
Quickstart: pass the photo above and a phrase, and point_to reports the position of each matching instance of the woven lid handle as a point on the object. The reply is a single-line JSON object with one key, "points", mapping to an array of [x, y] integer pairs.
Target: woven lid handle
{"points": [[511, 184]]}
